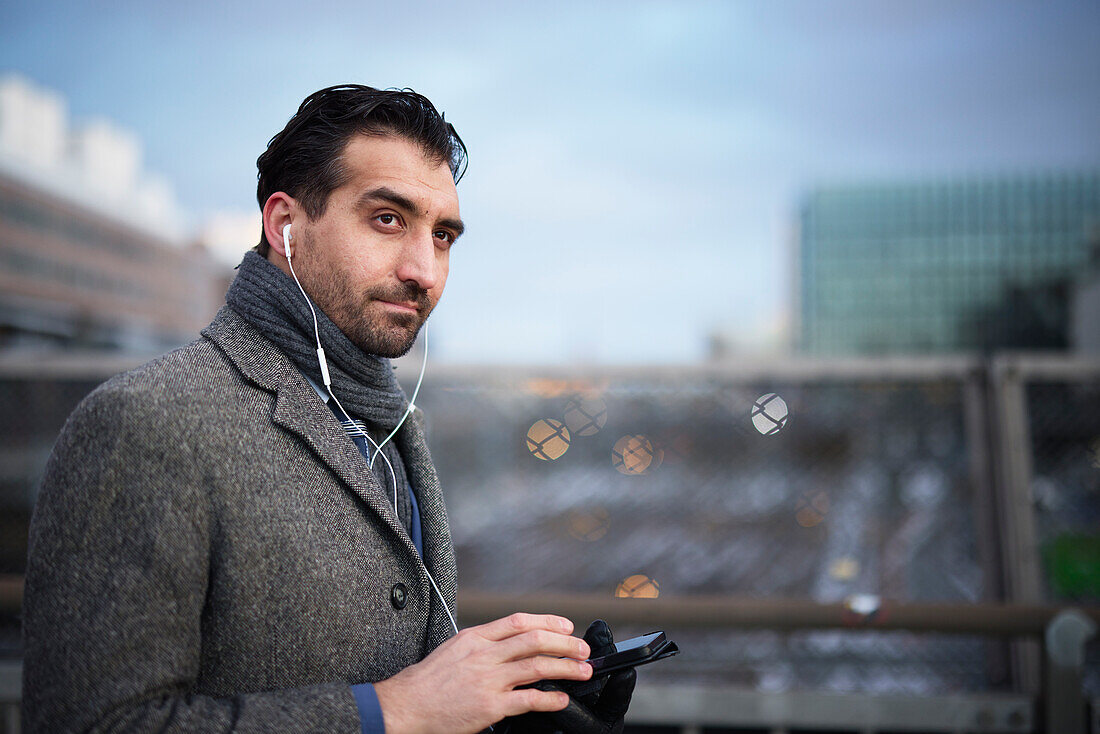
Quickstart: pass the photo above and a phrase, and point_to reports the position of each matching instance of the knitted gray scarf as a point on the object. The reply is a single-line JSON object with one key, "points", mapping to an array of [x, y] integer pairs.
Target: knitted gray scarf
{"points": [[266, 297]]}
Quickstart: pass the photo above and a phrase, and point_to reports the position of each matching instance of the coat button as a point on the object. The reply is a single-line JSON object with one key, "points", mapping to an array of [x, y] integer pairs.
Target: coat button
{"points": [[399, 596]]}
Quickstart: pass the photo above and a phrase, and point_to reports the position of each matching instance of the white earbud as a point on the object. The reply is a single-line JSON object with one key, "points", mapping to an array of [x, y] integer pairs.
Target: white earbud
{"points": [[286, 240]]}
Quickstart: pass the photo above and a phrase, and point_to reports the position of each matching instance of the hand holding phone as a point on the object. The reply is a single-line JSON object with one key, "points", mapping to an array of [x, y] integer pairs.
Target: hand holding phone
{"points": [[598, 705]]}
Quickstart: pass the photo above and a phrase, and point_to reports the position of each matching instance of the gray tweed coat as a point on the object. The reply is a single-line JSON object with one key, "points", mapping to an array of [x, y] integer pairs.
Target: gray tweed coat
{"points": [[210, 553]]}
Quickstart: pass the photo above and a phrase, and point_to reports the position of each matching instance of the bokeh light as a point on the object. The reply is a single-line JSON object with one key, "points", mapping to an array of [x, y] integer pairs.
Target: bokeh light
{"points": [[812, 507], [633, 454], [845, 568], [638, 586], [585, 415], [862, 608], [548, 439], [769, 414], [589, 524]]}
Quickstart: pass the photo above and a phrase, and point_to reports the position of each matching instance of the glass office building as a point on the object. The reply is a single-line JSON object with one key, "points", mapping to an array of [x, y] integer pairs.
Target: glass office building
{"points": [[933, 267]]}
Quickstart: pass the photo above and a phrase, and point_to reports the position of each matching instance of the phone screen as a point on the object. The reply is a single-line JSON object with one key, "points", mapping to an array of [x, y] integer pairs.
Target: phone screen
{"points": [[628, 652]]}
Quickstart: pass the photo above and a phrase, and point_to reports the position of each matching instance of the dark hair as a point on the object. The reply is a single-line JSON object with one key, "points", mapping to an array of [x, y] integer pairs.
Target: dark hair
{"points": [[305, 159]]}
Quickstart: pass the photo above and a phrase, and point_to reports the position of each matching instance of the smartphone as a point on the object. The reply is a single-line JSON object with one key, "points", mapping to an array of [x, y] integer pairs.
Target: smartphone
{"points": [[635, 651]]}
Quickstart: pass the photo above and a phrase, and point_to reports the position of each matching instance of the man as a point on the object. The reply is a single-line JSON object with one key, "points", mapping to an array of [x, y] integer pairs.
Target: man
{"points": [[248, 534]]}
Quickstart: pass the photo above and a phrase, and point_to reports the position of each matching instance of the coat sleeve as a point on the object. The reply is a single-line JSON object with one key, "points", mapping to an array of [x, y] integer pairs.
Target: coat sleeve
{"points": [[117, 571]]}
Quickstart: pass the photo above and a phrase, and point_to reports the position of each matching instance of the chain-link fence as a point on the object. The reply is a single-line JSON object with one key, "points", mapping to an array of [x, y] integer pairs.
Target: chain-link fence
{"points": [[813, 481], [1063, 435], [713, 482], [819, 481]]}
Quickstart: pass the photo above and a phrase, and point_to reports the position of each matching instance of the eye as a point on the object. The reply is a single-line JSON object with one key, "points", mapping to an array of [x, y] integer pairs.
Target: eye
{"points": [[388, 220], [447, 237]]}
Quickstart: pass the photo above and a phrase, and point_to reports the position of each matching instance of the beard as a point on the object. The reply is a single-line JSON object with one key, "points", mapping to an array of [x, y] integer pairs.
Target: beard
{"points": [[367, 323]]}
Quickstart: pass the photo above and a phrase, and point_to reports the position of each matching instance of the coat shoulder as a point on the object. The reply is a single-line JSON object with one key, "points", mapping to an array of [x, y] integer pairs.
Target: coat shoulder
{"points": [[196, 375], [184, 392]]}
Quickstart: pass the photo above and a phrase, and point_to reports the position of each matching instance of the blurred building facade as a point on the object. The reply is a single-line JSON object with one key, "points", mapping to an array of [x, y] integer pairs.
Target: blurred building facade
{"points": [[90, 251], [945, 266]]}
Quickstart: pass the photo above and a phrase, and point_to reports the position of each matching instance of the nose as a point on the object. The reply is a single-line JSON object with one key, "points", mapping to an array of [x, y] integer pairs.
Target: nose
{"points": [[418, 263]]}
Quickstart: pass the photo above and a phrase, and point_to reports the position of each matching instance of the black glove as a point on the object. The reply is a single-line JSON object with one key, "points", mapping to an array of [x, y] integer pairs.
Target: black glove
{"points": [[596, 706]]}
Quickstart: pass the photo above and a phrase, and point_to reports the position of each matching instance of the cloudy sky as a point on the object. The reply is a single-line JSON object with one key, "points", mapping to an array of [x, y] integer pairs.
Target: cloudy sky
{"points": [[635, 168]]}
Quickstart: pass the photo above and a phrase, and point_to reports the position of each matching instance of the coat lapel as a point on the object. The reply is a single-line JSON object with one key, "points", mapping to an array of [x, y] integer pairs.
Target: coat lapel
{"points": [[296, 410], [439, 554]]}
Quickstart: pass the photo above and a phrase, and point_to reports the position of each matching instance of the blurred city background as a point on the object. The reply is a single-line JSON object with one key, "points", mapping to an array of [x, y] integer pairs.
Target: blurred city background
{"points": [[776, 324]]}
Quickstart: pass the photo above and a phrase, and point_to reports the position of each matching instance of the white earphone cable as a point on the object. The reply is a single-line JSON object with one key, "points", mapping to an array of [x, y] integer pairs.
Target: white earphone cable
{"points": [[377, 446], [412, 402], [316, 329]]}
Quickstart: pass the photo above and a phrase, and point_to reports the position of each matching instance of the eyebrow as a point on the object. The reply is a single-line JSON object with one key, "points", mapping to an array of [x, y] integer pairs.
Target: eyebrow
{"points": [[403, 202]]}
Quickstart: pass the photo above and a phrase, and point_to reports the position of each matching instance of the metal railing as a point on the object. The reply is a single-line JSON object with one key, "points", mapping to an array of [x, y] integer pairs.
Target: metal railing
{"points": [[1063, 631]]}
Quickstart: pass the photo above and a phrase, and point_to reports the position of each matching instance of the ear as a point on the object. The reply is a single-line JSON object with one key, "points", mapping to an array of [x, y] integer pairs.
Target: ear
{"points": [[279, 210]]}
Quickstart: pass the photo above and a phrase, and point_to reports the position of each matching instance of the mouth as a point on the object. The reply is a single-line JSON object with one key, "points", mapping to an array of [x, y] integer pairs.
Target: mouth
{"points": [[409, 307]]}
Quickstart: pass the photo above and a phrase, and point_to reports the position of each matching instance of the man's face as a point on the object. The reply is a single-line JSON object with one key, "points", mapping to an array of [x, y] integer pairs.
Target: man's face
{"points": [[376, 261]]}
